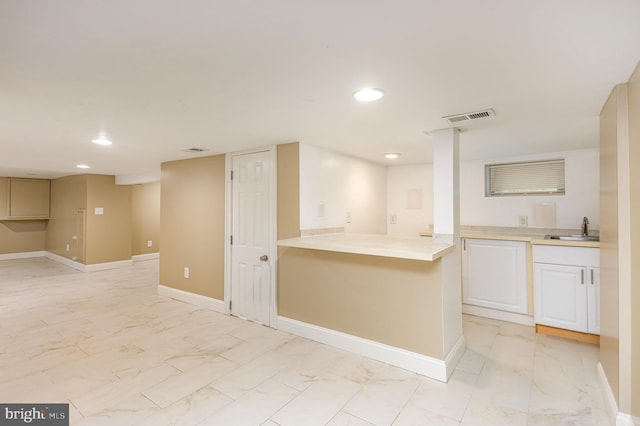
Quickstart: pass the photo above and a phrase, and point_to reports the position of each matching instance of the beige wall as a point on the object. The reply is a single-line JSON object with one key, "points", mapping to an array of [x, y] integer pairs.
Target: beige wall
{"points": [[108, 236], [620, 243], [145, 217], [393, 301], [609, 294], [288, 190], [634, 191], [192, 208], [18, 236], [68, 194]]}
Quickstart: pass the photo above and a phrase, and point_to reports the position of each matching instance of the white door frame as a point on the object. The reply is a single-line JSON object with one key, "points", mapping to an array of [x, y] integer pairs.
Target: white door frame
{"points": [[273, 244]]}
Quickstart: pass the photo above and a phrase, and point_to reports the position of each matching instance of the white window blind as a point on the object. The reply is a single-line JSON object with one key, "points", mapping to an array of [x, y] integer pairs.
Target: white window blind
{"points": [[530, 178]]}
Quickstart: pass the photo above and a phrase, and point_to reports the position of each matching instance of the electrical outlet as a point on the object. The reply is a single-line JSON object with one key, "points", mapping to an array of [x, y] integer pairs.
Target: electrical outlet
{"points": [[394, 219], [348, 217], [523, 221], [186, 272], [150, 243]]}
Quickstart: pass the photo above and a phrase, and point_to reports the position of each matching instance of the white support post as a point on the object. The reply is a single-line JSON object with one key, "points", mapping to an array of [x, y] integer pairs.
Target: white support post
{"points": [[446, 188]]}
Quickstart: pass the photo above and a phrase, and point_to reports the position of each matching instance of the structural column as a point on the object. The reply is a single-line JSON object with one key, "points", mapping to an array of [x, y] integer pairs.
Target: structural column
{"points": [[446, 188], [446, 204]]}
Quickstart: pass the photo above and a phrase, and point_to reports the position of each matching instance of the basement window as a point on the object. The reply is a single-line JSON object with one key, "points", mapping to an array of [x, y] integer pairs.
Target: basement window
{"points": [[528, 178]]}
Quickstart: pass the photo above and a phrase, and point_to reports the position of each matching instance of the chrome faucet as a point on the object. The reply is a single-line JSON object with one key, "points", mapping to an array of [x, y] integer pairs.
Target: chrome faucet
{"points": [[585, 229]]}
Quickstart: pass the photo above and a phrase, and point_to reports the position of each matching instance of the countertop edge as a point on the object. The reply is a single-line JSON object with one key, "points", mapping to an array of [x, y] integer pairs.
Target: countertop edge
{"points": [[312, 243], [533, 239]]}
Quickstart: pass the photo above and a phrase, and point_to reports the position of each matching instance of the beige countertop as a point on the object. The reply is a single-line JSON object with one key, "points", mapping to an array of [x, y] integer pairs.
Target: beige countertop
{"points": [[521, 234], [414, 248]]}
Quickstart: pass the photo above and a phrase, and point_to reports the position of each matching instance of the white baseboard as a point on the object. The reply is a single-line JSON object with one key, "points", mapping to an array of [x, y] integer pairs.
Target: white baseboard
{"points": [[193, 299], [455, 354], [148, 256], [70, 263], [88, 268], [617, 418], [480, 311], [22, 255], [108, 265], [427, 366]]}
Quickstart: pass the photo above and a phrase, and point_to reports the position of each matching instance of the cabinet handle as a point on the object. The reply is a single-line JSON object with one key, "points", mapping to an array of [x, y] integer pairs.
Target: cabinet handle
{"points": [[581, 276], [592, 277]]}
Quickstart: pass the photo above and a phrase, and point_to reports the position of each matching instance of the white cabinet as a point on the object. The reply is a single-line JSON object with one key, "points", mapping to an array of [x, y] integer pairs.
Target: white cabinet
{"points": [[567, 288], [494, 274]]}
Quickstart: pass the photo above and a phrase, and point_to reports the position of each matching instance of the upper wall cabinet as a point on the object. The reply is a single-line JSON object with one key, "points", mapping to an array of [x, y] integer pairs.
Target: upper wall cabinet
{"points": [[24, 199]]}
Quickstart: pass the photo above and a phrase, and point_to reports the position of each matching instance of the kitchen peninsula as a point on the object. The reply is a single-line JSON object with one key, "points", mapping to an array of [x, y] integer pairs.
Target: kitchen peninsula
{"points": [[388, 298]]}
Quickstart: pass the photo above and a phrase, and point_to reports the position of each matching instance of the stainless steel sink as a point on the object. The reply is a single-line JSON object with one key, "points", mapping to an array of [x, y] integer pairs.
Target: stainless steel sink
{"points": [[572, 237]]}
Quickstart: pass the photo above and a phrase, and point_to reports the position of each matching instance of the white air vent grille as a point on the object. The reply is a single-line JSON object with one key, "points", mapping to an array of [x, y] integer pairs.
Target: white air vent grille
{"points": [[194, 150], [469, 116]]}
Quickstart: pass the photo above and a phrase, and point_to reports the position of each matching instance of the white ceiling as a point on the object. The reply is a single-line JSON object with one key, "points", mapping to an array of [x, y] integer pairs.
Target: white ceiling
{"points": [[158, 77]]}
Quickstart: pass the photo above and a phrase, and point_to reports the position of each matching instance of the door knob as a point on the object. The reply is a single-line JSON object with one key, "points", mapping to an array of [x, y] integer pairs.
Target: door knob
{"points": [[264, 257]]}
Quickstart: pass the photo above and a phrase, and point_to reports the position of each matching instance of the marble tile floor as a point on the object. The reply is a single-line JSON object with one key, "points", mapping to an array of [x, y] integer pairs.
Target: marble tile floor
{"points": [[121, 355]]}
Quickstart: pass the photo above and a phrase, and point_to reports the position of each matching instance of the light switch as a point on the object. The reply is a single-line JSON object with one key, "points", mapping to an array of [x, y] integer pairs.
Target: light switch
{"points": [[99, 211], [348, 217], [394, 219], [150, 243], [321, 210], [186, 272]]}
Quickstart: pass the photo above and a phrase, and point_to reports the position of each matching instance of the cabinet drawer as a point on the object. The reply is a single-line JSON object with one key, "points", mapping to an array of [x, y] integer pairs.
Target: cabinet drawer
{"points": [[562, 255]]}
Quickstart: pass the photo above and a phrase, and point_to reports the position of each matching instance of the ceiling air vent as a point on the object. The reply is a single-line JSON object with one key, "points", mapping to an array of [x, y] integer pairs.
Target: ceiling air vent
{"points": [[470, 116], [194, 150]]}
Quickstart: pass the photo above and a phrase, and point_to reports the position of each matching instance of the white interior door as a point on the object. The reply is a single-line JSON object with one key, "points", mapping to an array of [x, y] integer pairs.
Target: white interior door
{"points": [[250, 247]]}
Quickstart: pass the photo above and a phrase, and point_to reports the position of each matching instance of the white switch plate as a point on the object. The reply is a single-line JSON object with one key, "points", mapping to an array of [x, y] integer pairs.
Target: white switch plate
{"points": [[348, 217], [523, 221], [394, 219], [321, 210], [186, 272], [67, 247], [99, 211], [149, 243]]}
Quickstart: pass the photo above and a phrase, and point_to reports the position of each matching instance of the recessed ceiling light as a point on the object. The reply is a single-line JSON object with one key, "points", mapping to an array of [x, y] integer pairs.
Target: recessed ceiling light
{"points": [[83, 166], [102, 141], [368, 95], [392, 155]]}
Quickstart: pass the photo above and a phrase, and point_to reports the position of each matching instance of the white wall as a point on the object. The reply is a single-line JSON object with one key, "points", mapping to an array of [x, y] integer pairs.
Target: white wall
{"points": [[401, 180], [341, 184], [582, 198]]}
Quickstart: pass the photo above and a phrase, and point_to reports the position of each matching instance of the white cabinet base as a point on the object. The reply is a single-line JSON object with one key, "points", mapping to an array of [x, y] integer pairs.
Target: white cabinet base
{"points": [[480, 311]]}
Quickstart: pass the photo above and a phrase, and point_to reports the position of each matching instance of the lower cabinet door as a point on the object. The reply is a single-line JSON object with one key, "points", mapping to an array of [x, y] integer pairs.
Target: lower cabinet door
{"points": [[494, 274], [560, 296], [593, 294]]}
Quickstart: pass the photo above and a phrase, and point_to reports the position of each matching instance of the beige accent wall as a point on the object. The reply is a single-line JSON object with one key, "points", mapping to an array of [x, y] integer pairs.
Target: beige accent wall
{"points": [[145, 217], [108, 236], [22, 236], [68, 194], [288, 158], [192, 208], [609, 293], [19, 236], [634, 191], [620, 243], [393, 301]]}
